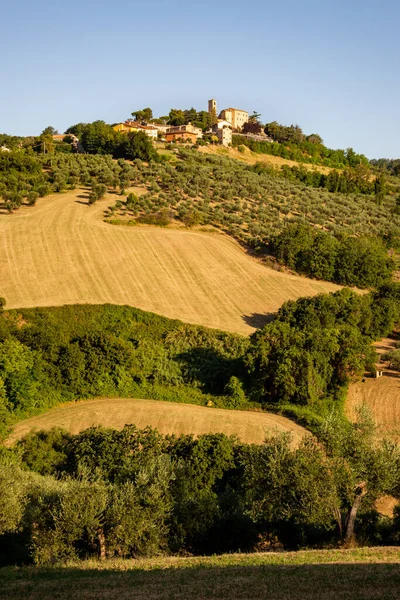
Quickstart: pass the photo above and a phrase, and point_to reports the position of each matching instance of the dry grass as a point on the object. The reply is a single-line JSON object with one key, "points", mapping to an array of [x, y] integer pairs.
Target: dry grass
{"points": [[364, 574], [61, 252], [252, 158], [381, 395], [167, 417]]}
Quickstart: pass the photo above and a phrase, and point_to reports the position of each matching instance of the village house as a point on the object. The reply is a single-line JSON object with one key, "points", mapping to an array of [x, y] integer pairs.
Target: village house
{"points": [[235, 117], [59, 137], [162, 128], [179, 133], [150, 130], [223, 133], [183, 132]]}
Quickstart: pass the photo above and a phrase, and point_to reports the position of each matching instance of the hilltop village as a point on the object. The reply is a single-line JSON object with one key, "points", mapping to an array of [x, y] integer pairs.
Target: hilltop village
{"points": [[221, 127]]}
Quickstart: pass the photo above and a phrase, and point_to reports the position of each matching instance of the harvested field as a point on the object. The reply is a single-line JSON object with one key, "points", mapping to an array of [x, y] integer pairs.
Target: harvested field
{"points": [[61, 252], [252, 158], [381, 395], [362, 574], [167, 417]]}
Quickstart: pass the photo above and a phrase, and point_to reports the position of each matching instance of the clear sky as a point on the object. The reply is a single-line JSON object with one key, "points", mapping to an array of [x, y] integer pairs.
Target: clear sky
{"points": [[329, 65]]}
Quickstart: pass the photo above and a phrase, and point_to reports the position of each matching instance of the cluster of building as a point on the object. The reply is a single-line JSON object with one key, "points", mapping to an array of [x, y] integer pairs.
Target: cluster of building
{"points": [[149, 129], [229, 120]]}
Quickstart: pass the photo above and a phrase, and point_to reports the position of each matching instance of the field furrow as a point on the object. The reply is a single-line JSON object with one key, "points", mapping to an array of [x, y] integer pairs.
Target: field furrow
{"points": [[166, 417], [61, 252]]}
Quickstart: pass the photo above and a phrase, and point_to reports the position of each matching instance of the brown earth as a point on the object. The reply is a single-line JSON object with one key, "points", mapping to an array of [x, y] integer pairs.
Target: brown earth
{"points": [[61, 252]]}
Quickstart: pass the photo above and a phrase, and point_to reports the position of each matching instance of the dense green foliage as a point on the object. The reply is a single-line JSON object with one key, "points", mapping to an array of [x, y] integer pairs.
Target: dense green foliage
{"points": [[25, 176], [290, 142], [348, 181], [252, 203], [302, 150], [100, 138], [11, 142], [361, 261], [317, 345], [21, 177], [392, 165], [202, 119], [134, 493], [304, 358], [61, 354]]}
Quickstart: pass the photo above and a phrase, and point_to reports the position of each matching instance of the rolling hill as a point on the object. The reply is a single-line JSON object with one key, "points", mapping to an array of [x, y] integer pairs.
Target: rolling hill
{"points": [[167, 417], [62, 252]]}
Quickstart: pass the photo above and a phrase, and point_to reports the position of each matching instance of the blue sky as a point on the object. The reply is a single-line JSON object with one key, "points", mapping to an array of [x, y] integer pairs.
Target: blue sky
{"points": [[330, 66]]}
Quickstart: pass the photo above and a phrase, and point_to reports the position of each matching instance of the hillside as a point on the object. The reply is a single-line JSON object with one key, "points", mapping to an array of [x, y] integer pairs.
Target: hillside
{"points": [[61, 252], [252, 158], [381, 395], [328, 575], [166, 417]]}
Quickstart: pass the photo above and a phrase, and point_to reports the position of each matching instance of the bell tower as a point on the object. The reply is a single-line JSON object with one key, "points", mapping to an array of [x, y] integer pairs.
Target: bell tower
{"points": [[212, 106]]}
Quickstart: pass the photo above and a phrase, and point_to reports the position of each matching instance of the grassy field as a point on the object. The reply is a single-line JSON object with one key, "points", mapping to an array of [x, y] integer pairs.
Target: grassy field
{"points": [[167, 417], [381, 395], [61, 252], [364, 574], [252, 158]]}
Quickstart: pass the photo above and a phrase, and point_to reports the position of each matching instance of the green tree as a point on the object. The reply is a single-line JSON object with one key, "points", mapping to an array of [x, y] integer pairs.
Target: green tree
{"points": [[314, 138], [139, 146], [13, 496], [365, 466], [176, 117], [136, 520], [146, 114], [17, 371], [380, 188], [291, 490], [66, 519], [49, 131], [234, 390]]}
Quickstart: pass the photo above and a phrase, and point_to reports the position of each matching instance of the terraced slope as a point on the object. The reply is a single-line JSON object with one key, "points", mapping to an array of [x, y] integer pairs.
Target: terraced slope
{"points": [[61, 252], [167, 417]]}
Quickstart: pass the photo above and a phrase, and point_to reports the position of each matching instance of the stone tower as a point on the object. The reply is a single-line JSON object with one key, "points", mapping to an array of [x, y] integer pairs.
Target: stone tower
{"points": [[212, 106]]}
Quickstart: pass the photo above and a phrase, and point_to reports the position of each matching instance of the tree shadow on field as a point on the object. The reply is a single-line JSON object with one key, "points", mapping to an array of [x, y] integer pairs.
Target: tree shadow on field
{"points": [[258, 320], [84, 197], [197, 581]]}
